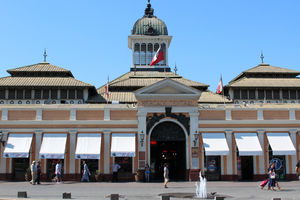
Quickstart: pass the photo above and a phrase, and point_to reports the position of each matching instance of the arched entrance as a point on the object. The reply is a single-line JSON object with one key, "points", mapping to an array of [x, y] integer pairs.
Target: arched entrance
{"points": [[168, 145]]}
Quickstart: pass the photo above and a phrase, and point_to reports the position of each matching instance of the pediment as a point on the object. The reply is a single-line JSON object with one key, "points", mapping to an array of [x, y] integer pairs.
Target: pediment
{"points": [[167, 89]]}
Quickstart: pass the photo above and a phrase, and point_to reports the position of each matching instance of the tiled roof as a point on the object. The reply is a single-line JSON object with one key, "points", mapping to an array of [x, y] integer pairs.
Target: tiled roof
{"points": [[39, 67], [142, 79], [41, 81], [129, 97], [266, 68], [266, 82]]}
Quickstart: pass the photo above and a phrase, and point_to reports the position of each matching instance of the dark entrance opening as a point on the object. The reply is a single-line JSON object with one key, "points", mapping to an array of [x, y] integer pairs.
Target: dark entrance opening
{"points": [[280, 164], [20, 165], [212, 168], [51, 164], [246, 167], [167, 145]]}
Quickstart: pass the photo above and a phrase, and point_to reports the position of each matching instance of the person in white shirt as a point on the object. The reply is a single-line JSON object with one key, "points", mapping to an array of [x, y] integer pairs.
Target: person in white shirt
{"points": [[86, 173], [33, 173], [58, 172], [116, 168], [166, 175]]}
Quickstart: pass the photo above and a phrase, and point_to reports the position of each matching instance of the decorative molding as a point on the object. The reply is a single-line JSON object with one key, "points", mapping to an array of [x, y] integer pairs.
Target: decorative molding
{"points": [[152, 120], [168, 103]]}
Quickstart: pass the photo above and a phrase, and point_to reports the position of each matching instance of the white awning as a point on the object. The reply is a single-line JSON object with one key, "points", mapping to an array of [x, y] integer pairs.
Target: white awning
{"points": [[248, 144], [17, 146], [215, 144], [53, 146], [123, 145], [88, 146], [281, 144]]}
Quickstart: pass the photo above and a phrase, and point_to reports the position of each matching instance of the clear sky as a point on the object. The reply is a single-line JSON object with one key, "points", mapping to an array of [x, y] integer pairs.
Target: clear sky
{"points": [[210, 37]]}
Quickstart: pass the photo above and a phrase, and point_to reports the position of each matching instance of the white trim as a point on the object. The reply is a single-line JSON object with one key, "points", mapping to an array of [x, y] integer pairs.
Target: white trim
{"points": [[186, 139]]}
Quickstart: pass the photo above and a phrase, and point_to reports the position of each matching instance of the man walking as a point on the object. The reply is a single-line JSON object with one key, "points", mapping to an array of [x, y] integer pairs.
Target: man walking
{"points": [[58, 172], [86, 173], [33, 173], [116, 168], [297, 169], [38, 172]]}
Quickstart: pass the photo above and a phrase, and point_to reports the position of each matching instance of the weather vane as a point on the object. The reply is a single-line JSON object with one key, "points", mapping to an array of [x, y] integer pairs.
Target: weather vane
{"points": [[262, 57], [45, 55]]}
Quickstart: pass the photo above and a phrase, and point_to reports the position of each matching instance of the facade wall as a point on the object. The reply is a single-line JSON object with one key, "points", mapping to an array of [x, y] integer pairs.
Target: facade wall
{"points": [[108, 121]]}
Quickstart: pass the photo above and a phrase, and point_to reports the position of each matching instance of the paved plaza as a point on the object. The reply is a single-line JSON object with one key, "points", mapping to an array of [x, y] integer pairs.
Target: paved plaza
{"points": [[135, 191]]}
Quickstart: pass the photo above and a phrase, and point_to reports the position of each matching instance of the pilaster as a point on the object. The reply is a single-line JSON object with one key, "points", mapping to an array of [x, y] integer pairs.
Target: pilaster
{"points": [[4, 114], [292, 114], [142, 141], [72, 150], [73, 114], [38, 142], [260, 114], [106, 114], [228, 135], [228, 114], [194, 136], [293, 135], [262, 158], [3, 160], [39, 114], [106, 134]]}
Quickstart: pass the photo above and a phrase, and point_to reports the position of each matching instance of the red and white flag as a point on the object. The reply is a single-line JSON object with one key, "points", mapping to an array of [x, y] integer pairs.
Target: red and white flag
{"points": [[159, 56], [106, 88], [220, 86]]}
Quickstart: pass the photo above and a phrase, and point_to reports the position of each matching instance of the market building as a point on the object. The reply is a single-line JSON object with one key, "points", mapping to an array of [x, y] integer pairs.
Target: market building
{"points": [[151, 116]]}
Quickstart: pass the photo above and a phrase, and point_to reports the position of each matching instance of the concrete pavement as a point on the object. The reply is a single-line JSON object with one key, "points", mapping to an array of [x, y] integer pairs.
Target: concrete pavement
{"points": [[149, 191]]}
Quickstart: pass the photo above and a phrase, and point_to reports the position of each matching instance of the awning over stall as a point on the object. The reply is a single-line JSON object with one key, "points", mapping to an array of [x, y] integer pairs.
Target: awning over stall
{"points": [[215, 144], [88, 146], [123, 145], [53, 146], [18, 146], [248, 144], [281, 144]]}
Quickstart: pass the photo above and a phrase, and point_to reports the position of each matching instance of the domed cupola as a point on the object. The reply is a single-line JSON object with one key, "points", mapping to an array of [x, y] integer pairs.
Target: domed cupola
{"points": [[149, 24], [149, 37]]}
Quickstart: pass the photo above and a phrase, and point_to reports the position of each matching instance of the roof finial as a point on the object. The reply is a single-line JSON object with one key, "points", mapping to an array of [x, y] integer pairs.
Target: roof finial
{"points": [[149, 11], [175, 69], [45, 55], [262, 57]]}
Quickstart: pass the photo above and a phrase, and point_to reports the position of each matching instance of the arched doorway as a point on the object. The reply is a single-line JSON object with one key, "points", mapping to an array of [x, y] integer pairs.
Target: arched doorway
{"points": [[168, 145]]}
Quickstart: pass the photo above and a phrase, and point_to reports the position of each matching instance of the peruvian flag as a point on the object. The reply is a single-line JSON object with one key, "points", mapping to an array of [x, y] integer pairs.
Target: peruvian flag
{"points": [[106, 88], [220, 86], [159, 56]]}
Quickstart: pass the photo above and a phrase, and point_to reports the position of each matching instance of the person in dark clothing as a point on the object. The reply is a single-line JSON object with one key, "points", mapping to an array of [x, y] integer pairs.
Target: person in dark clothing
{"points": [[38, 172], [297, 169]]}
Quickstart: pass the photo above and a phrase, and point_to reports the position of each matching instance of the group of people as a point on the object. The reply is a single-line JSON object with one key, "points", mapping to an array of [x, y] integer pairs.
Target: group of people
{"points": [[35, 172], [272, 178]]}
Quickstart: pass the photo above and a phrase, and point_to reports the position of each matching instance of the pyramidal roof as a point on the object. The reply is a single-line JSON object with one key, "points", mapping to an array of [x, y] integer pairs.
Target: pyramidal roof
{"points": [[40, 67]]}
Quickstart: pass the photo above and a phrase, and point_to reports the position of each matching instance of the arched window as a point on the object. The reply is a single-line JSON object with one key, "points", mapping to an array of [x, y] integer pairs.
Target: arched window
{"points": [[143, 54], [149, 53], [163, 47], [136, 54]]}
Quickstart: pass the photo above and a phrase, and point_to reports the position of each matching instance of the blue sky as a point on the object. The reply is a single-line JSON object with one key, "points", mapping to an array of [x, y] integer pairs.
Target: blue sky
{"points": [[210, 37]]}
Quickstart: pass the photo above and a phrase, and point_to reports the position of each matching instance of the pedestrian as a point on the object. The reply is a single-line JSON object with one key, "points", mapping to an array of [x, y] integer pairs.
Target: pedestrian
{"points": [[58, 172], [166, 175], [33, 173], [38, 172], [116, 168], [147, 172], [86, 173], [297, 169], [272, 177]]}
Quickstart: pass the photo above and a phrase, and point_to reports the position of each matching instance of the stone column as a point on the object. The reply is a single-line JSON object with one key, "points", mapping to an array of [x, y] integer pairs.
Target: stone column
{"points": [[38, 143], [262, 158], [293, 135], [228, 135], [3, 160], [72, 150], [106, 134], [194, 136], [142, 140]]}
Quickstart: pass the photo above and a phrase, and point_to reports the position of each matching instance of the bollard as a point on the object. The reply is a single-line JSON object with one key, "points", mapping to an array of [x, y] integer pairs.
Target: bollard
{"points": [[22, 194], [114, 197], [165, 197], [219, 198], [276, 199], [66, 195]]}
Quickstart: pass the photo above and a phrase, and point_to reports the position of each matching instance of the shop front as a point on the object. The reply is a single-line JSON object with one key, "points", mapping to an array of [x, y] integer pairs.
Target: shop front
{"points": [[215, 146], [248, 146], [278, 152], [18, 148], [53, 152], [123, 147]]}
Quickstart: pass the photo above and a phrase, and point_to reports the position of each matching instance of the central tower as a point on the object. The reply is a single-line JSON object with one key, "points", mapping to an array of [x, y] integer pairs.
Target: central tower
{"points": [[149, 33]]}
